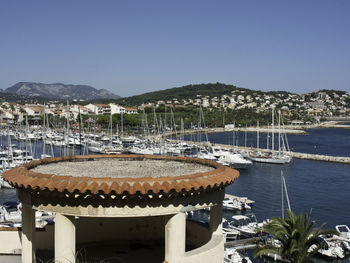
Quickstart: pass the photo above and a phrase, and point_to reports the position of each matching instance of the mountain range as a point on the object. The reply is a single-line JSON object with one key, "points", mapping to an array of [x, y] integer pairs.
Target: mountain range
{"points": [[59, 91]]}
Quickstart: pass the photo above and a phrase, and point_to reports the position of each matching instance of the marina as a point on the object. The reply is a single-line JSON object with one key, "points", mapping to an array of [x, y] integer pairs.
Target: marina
{"points": [[253, 182]]}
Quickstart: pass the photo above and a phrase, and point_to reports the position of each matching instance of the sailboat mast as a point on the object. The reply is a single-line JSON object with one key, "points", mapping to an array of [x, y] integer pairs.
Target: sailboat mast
{"points": [[285, 190], [165, 116], [257, 135], [44, 135], [282, 194], [273, 130], [143, 121], [279, 132], [154, 121], [121, 123], [111, 131], [268, 137]]}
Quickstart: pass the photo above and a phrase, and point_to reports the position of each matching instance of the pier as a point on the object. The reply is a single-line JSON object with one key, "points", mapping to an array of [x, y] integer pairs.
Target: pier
{"points": [[289, 130], [243, 244], [298, 155], [306, 156], [319, 157]]}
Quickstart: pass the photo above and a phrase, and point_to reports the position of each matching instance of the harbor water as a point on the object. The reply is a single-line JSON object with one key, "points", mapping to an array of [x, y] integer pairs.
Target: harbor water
{"points": [[322, 187]]}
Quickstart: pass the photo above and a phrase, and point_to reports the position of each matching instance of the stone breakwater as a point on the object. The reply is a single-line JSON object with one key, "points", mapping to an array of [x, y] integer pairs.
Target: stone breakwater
{"points": [[319, 157], [306, 156], [262, 129]]}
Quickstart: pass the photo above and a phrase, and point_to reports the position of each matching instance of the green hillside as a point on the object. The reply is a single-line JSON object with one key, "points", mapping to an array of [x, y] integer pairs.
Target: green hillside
{"points": [[185, 92]]}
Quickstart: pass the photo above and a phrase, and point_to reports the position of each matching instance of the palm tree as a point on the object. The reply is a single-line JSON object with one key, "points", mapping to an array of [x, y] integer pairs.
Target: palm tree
{"points": [[296, 234]]}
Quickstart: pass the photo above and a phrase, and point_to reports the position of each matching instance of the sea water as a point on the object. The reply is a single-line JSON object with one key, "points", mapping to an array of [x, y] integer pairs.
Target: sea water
{"points": [[320, 187]]}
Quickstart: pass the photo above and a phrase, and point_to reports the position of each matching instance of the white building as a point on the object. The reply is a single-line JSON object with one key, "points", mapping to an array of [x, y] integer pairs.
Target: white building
{"points": [[116, 109], [99, 108]]}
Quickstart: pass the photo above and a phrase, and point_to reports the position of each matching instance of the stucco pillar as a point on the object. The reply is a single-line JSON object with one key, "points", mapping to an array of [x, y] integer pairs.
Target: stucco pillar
{"points": [[64, 238], [28, 228], [175, 238], [216, 219]]}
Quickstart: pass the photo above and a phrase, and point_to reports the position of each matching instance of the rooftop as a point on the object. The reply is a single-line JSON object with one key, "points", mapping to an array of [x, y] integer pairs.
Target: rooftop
{"points": [[122, 168], [121, 174]]}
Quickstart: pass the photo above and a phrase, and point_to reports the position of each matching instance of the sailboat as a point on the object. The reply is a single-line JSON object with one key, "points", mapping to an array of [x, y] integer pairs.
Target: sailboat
{"points": [[44, 154], [110, 148], [279, 156]]}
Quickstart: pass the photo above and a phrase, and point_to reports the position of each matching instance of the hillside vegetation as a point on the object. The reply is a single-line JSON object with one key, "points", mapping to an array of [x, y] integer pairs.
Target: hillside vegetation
{"points": [[185, 92]]}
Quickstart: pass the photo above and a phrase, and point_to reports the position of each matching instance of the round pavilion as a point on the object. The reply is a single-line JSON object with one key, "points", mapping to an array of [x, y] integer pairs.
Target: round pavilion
{"points": [[134, 205]]}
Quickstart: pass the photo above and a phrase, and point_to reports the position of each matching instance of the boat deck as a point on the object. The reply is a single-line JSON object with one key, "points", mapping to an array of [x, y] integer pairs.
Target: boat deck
{"points": [[240, 199]]}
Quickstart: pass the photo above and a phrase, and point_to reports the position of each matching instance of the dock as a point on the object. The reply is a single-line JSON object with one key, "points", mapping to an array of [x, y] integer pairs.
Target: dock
{"points": [[243, 244], [319, 157], [298, 155]]}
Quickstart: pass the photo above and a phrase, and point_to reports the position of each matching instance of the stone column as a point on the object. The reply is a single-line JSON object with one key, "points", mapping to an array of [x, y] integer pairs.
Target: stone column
{"points": [[216, 219], [64, 238], [175, 238], [28, 230]]}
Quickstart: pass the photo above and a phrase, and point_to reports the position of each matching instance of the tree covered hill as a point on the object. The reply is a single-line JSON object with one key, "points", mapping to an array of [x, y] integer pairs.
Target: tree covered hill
{"points": [[192, 91], [185, 92]]}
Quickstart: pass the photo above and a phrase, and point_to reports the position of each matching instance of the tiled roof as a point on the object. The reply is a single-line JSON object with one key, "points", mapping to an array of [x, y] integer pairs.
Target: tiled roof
{"points": [[23, 177]]}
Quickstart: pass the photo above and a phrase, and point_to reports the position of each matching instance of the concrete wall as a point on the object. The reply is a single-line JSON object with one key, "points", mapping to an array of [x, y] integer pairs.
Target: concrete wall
{"points": [[11, 238], [212, 252], [10, 241]]}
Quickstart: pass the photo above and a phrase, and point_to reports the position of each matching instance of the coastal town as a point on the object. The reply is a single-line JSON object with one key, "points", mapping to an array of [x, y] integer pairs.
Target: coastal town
{"points": [[301, 108], [174, 131]]}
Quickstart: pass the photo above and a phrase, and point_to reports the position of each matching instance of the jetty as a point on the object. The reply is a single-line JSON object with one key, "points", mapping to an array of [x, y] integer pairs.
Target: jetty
{"points": [[298, 155], [262, 129], [243, 244]]}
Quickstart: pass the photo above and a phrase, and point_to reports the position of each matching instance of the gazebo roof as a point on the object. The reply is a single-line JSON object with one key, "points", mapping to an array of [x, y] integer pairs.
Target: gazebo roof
{"points": [[102, 174]]}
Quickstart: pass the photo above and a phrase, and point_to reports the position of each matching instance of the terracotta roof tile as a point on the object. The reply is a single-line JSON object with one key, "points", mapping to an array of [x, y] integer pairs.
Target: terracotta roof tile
{"points": [[24, 177]]}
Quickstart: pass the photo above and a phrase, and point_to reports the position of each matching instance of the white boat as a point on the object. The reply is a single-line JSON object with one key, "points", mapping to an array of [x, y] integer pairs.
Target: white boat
{"points": [[234, 204], [228, 232], [344, 231], [4, 184], [43, 156], [11, 212], [245, 224], [330, 247], [128, 140], [95, 149], [344, 237], [231, 255], [11, 215], [111, 149], [260, 158], [234, 160], [204, 154]]}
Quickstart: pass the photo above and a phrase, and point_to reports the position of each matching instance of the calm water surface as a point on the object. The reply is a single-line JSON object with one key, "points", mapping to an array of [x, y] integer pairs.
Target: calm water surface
{"points": [[321, 186]]}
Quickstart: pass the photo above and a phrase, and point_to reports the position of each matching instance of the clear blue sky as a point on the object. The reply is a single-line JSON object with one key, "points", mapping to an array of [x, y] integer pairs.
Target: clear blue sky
{"points": [[132, 47]]}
